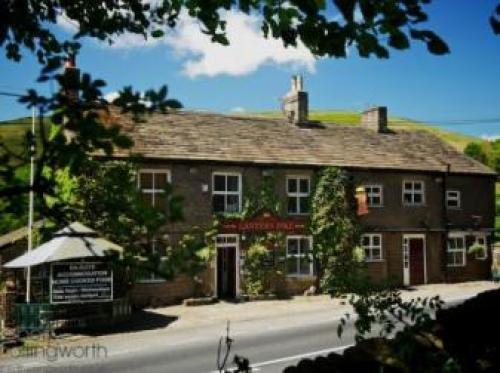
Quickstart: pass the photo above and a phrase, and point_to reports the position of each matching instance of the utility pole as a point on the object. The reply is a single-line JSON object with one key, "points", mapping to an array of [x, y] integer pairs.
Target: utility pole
{"points": [[31, 203]]}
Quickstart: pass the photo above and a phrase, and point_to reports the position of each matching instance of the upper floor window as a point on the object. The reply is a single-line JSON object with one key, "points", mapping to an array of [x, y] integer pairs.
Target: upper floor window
{"points": [[372, 245], [152, 184], [374, 195], [226, 192], [453, 199], [298, 256], [482, 247], [298, 191], [413, 193], [456, 250]]}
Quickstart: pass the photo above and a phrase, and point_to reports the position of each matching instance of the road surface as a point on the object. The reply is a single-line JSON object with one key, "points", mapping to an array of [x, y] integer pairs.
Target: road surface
{"points": [[270, 343]]}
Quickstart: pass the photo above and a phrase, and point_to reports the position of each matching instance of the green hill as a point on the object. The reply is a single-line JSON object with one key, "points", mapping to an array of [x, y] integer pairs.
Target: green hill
{"points": [[13, 132], [350, 118]]}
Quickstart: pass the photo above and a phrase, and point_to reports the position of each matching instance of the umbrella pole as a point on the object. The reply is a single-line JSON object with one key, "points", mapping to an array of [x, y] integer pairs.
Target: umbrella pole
{"points": [[31, 203]]}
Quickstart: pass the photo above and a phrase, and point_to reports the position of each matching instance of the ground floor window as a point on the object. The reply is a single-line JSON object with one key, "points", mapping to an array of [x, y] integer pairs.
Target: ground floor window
{"points": [[456, 250], [156, 248], [298, 256], [372, 245]]}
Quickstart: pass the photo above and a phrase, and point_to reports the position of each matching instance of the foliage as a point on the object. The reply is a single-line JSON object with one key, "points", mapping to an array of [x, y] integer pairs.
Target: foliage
{"points": [[486, 152], [385, 309], [451, 339], [262, 198], [476, 151], [106, 198], [262, 269], [335, 232], [255, 272], [380, 26]]}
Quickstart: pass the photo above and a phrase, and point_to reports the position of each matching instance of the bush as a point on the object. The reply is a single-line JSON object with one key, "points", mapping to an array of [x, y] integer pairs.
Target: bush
{"points": [[257, 276]]}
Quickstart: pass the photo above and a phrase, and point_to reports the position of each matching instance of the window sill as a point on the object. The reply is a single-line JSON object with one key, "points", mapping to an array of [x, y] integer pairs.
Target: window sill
{"points": [[375, 261], [298, 213], [301, 276], [412, 205], [455, 265], [235, 214], [454, 208], [159, 281]]}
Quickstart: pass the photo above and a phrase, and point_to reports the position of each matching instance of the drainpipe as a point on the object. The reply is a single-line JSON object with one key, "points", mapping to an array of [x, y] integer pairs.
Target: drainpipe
{"points": [[446, 223]]}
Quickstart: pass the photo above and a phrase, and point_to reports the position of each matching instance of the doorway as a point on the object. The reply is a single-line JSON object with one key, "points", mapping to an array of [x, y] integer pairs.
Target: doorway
{"points": [[414, 260], [227, 266]]}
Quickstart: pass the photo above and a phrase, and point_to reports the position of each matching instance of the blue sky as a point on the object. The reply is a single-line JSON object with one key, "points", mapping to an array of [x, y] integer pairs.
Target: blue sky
{"points": [[459, 91]]}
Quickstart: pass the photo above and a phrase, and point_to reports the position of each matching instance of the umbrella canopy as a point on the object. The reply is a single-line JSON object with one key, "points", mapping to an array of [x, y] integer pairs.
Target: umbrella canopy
{"points": [[73, 242]]}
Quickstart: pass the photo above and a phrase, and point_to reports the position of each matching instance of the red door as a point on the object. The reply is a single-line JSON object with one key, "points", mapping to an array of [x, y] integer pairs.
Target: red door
{"points": [[417, 261]]}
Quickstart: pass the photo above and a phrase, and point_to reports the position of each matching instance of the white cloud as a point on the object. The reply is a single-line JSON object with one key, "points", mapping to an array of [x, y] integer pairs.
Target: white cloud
{"points": [[67, 24], [490, 137], [248, 49]]}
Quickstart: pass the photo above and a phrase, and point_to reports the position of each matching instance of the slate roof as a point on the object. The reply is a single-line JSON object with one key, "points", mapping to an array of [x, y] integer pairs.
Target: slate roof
{"points": [[187, 135]]}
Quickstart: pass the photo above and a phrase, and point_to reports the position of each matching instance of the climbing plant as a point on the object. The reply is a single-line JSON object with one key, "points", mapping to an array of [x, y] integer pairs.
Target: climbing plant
{"points": [[336, 233], [261, 198]]}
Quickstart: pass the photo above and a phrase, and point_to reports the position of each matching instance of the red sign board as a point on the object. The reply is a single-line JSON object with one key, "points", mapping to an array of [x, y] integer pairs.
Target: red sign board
{"points": [[263, 223]]}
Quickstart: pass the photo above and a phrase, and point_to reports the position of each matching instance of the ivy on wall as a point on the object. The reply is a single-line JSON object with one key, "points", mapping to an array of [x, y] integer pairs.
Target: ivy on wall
{"points": [[336, 233]]}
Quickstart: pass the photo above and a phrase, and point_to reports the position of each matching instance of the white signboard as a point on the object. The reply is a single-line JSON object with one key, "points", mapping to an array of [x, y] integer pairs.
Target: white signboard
{"points": [[80, 282]]}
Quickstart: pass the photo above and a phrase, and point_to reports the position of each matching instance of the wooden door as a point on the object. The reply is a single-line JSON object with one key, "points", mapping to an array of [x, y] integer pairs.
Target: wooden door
{"points": [[226, 272], [417, 258]]}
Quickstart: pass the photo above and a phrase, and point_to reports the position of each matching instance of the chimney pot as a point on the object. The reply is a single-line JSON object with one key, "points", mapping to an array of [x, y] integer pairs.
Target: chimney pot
{"points": [[295, 103]]}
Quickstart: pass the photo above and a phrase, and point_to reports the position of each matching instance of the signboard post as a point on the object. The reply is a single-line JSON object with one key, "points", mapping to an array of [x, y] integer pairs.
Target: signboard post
{"points": [[80, 282]]}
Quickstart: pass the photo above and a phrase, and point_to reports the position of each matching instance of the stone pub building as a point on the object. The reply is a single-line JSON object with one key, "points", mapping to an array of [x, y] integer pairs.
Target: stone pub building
{"points": [[427, 202]]}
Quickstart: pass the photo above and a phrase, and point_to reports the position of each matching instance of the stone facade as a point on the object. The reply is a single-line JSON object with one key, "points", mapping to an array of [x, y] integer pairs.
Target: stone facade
{"points": [[394, 221]]}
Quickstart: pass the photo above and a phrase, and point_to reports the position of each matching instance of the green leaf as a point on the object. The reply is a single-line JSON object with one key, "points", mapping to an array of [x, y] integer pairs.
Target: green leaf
{"points": [[399, 40], [437, 46], [157, 33], [495, 25]]}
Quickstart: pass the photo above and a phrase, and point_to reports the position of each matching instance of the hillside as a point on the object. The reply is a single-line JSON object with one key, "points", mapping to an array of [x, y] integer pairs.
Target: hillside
{"points": [[13, 132], [457, 140]]}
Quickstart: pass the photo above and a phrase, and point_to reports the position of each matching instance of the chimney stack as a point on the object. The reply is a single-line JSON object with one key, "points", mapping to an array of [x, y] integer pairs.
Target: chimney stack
{"points": [[71, 78], [375, 118], [296, 102]]}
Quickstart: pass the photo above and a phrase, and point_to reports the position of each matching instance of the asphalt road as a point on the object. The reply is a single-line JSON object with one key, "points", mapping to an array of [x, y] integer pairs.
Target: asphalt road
{"points": [[270, 344]]}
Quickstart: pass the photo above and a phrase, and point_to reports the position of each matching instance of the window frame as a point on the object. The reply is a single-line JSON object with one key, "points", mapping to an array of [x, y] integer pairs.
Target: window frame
{"points": [[226, 193], [299, 256], [370, 194], [463, 250], [404, 191], [153, 171], [152, 277], [458, 199], [298, 194], [484, 237], [371, 247]]}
